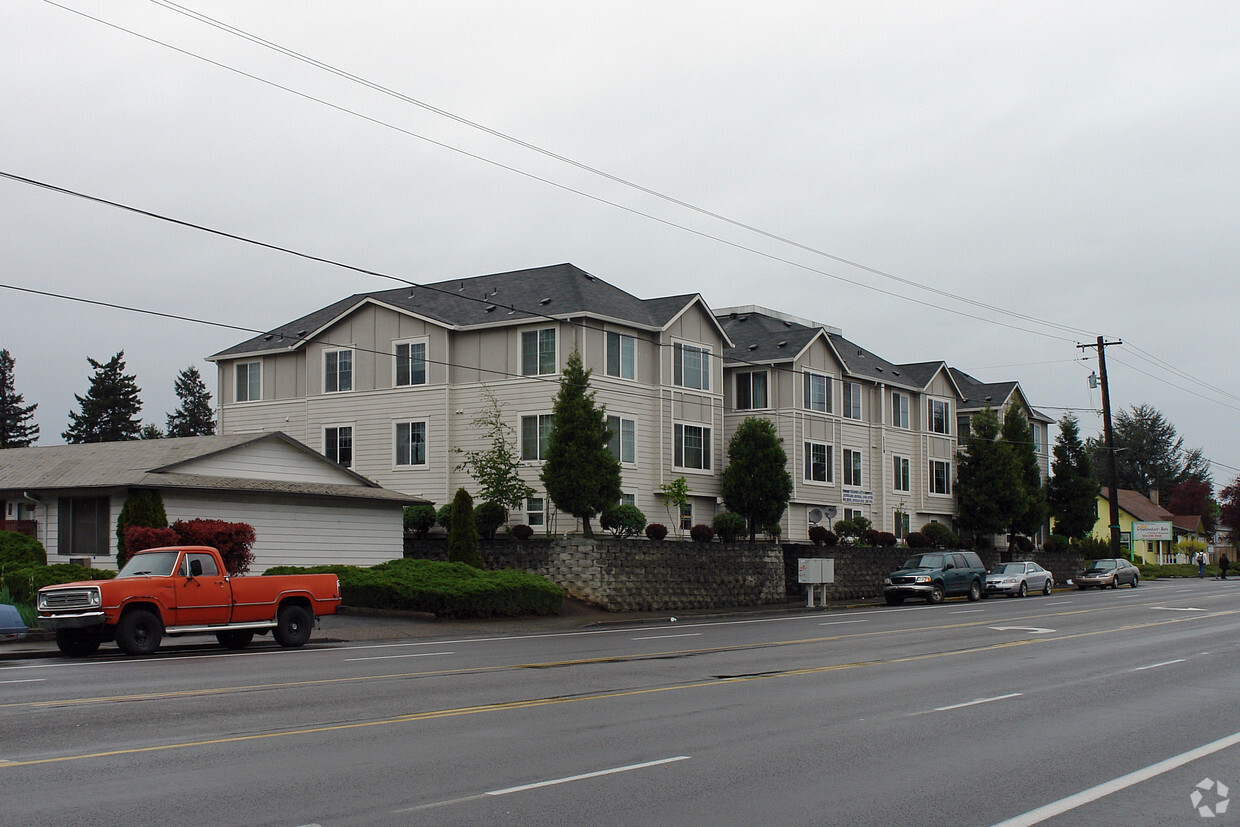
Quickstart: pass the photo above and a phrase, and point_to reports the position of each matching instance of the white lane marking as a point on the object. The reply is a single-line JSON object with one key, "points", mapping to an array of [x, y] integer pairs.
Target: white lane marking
{"points": [[1156, 665], [1058, 603], [1104, 789], [1175, 609], [661, 637], [966, 611], [394, 657], [1033, 630], [548, 783], [840, 622], [26, 680], [977, 701]]}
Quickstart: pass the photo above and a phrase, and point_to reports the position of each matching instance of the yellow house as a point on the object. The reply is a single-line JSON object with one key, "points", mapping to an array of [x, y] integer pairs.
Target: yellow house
{"points": [[1134, 508]]}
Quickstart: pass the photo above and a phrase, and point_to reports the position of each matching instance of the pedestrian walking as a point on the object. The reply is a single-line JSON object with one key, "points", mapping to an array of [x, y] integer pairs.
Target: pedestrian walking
{"points": [[1201, 564], [1223, 563]]}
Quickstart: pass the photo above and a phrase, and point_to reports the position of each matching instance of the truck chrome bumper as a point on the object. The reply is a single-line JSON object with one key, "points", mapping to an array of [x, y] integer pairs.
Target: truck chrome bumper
{"points": [[83, 620]]}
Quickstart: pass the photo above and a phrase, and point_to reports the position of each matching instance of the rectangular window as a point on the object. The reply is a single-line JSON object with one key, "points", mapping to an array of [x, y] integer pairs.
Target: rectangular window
{"points": [[628, 499], [338, 444], [337, 371], [686, 516], [410, 443], [900, 474], [84, 525], [899, 410], [853, 513], [623, 439], [620, 355], [817, 392], [901, 523], [940, 416], [691, 366], [249, 381], [852, 467], [818, 462], [410, 364], [692, 447], [940, 477], [538, 352], [535, 511], [535, 433], [852, 400], [751, 390]]}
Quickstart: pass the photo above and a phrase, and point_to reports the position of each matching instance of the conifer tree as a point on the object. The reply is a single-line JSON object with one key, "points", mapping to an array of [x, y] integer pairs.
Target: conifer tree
{"points": [[1019, 440], [581, 474], [109, 411], [17, 426], [1072, 492], [194, 417], [463, 531], [988, 487], [756, 482]]}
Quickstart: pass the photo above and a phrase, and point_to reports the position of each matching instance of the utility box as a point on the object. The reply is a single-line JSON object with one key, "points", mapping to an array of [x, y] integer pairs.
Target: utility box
{"points": [[815, 572]]}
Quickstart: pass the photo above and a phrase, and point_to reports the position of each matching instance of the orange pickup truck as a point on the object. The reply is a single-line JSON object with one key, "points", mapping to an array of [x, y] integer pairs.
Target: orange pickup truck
{"points": [[183, 590]]}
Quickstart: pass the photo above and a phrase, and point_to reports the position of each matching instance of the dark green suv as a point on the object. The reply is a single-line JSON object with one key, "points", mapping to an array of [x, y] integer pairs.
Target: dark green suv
{"points": [[936, 575]]}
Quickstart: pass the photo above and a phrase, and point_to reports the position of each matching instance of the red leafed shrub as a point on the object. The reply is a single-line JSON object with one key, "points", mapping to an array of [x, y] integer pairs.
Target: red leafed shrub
{"points": [[522, 532], [916, 539], [140, 537], [656, 531], [232, 540], [702, 533], [886, 539]]}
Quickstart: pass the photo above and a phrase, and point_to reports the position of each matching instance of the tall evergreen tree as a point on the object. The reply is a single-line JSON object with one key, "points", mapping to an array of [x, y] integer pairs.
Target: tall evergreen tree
{"points": [[194, 417], [1072, 492], [1019, 440], [581, 474], [109, 411], [463, 531], [1150, 457], [17, 426], [756, 483], [989, 492]]}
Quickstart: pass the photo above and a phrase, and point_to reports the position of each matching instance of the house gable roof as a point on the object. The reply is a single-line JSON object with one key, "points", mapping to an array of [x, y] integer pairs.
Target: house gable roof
{"points": [[763, 338], [1138, 505]]}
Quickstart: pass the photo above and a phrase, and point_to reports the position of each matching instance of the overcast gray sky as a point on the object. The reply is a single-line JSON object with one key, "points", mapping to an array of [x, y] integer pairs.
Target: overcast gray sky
{"points": [[1073, 163]]}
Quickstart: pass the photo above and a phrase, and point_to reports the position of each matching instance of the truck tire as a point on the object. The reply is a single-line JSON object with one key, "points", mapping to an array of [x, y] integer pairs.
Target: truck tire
{"points": [[77, 643], [936, 594], [139, 632], [975, 591], [235, 638], [292, 625]]}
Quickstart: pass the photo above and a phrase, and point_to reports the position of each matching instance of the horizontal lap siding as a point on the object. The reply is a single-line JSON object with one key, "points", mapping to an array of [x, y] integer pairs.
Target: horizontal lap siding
{"points": [[268, 461]]}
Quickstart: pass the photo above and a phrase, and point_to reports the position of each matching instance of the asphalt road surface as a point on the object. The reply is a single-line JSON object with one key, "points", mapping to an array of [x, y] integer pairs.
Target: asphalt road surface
{"points": [[1099, 707]]}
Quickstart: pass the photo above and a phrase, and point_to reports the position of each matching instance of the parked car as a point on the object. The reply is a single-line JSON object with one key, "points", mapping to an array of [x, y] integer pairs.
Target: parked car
{"points": [[936, 575], [11, 625], [1112, 572], [1018, 579]]}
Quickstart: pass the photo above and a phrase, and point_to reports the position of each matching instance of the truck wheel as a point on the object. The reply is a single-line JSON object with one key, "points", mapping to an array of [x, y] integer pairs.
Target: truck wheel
{"points": [[139, 632], [235, 638], [975, 591], [77, 643], [936, 593], [292, 626]]}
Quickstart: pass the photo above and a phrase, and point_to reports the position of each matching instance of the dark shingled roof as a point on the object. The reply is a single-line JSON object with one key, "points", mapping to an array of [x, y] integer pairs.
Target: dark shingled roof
{"points": [[757, 337], [861, 362], [557, 291]]}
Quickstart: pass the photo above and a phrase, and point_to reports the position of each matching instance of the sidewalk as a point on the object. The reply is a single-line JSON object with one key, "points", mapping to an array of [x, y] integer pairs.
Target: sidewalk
{"points": [[368, 625]]}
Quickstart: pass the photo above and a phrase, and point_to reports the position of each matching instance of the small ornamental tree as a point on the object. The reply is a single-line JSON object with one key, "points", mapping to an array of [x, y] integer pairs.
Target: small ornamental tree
{"points": [[756, 483], [17, 426], [143, 507], [581, 475], [419, 519], [194, 417], [496, 468], [140, 538], [109, 411], [675, 498], [623, 520], [463, 531]]}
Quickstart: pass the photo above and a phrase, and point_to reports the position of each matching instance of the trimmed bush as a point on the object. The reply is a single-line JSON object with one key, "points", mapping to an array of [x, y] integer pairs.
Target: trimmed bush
{"points": [[886, 539], [939, 535], [143, 507], [443, 589], [443, 517], [702, 533], [232, 540], [20, 550], [916, 539], [522, 532], [488, 517], [656, 531], [730, 526], [772, 531], [419, 519], [24, 581], [623, 520], [869, 537], [463, 531]]}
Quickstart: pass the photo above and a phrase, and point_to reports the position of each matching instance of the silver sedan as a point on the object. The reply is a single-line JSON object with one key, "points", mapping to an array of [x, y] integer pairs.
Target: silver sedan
{"points": [[1018, 579]]}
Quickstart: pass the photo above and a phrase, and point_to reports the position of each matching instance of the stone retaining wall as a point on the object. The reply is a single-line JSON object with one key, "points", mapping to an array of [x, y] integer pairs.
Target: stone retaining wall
{"points": [[638, 575]]}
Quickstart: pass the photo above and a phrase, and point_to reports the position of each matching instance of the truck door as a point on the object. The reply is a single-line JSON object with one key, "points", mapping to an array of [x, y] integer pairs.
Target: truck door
{"points": [[202, 591]]}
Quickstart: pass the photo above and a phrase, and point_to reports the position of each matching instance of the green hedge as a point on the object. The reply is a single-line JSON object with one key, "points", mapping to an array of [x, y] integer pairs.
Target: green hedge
{"points": [[24, 581], [19, 549], [443, 589]]}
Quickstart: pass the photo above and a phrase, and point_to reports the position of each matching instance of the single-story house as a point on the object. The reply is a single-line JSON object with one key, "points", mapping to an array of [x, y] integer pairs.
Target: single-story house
{"points": [[1137, 508], [305, 509]]}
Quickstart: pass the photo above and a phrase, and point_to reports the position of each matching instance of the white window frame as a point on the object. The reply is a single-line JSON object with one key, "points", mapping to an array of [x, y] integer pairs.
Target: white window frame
{"points": [[333, 453], [828, 464], [542, 420], [751, 403], [679, 432], [686, 516], [854, 472], [536, 511], [253, 381], [852, 401], [424, 341], [624, 349], [901, 521], [931, 483], [333, 376], [900, 406], [396, 444], [901, 473], [853, 513], [680, 375], [540, 369], [807, 391], [628, 499], [946, 407], [622, 440]]}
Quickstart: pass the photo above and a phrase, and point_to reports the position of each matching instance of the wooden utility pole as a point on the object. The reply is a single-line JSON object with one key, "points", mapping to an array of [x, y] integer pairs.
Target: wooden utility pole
{"points": [[1112, 473]]}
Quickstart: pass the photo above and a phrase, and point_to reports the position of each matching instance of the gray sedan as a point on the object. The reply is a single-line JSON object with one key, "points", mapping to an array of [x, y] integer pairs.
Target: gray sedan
{"points": [[1113, 573], [1018, 579]]}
